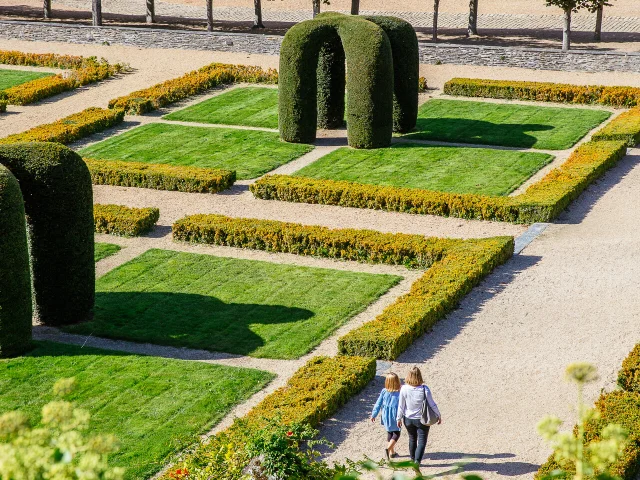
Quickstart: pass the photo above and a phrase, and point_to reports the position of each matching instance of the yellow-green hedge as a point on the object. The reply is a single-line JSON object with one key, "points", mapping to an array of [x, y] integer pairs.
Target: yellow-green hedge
{"points": [[625, 127], [71, 128], [414, 251], [629, 376], [542, 202], [3, 106], [544, 92], [159, 177], [14, 57], [205, 78], [125, 221]]}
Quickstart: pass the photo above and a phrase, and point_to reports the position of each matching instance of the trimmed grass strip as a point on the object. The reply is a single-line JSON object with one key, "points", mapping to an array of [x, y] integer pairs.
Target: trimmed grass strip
{"points": [[223, 304], [11, 78], [104, 250], [248, 152], [445, 169], [154, 406]]}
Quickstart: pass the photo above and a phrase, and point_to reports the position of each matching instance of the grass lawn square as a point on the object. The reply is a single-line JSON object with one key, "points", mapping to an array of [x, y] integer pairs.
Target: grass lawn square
{"points": [[250, 153], [11, 78], [508, 125], [236, 306], [250, 106], [104, 250], [154, 406], [443, 169]]}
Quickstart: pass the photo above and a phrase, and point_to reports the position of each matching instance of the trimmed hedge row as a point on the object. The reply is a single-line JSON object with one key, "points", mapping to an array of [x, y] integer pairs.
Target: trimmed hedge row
{"points": [[15, 277], [14, 57], [125, 221], [542, 202], [71, 128], [625, 127], [160, 177], [456, 266], [312, 394], [629, 376], [3, 105], [544, 92], [193, 83], [413, 251]]}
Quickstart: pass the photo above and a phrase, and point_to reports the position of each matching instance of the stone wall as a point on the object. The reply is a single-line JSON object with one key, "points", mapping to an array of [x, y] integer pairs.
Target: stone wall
{"points": [[533, 58]]}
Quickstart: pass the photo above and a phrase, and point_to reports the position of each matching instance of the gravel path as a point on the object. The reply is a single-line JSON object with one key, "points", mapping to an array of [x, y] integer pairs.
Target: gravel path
{"points": [[496, 364]]}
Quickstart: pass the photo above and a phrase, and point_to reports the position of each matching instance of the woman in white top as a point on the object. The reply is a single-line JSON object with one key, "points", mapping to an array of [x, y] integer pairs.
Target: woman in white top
{"points": [[412, 396]]}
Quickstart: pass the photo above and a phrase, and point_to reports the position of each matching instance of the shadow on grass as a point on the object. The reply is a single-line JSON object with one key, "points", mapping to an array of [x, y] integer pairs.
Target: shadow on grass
{"points": [[476, 131], [186, 320]]}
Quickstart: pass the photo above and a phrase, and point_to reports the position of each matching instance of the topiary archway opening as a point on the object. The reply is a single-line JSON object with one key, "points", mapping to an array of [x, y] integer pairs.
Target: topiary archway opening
{"points": [[381, 57], [46, 200]]}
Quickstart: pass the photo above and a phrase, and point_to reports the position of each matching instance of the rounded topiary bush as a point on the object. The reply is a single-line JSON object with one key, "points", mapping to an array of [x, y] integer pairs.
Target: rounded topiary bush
{"points": [[15, 278], [58, 201]]}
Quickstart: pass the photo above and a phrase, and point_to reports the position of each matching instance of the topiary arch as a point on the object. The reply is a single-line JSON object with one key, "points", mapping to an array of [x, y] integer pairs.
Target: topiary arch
{"points": [[47, 187], [381, 56]]}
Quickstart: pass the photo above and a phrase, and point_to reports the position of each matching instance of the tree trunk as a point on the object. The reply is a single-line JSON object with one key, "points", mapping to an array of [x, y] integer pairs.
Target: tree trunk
{"points": [[597, 36], [436, 6], [209, 15], [316, 7], [47, 8], [472, 29], [257, 19], [355, 7], [566, 31], [96, 12], [151, 11]]}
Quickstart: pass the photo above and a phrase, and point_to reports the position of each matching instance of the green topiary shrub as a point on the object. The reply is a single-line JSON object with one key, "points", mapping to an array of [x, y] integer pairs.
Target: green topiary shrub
{"points": [[332, 83], [369, 62], [406, 70], [15, 278], [56, 186], [125, 221]]}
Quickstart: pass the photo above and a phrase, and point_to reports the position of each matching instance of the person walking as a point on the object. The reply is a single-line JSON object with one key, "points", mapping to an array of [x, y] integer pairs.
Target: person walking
{"points": [[413, 394], [388, 404]]}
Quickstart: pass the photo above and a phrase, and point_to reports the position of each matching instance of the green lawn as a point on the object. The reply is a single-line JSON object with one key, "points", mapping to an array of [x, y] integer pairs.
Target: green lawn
{"points": [[154, 406], [11, 78], [223, 304], [104, 250], [529, 126], [250, 106], [250, 153], [444, 169]]}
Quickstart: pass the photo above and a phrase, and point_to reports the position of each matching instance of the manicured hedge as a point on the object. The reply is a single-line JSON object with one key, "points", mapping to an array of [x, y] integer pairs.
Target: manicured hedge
{"points": [[544, 92], [3, 106], [629, 376], [71, 128], [542, 202], [56, 187], [193, 83], [125, 221], [312, 394], [14, 57], [625, 127], [15, 278], [160, 177], [413, 251]]}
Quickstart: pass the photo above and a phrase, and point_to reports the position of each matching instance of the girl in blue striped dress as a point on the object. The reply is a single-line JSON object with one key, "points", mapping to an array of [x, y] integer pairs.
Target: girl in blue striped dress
{"points": [[387, 405]]}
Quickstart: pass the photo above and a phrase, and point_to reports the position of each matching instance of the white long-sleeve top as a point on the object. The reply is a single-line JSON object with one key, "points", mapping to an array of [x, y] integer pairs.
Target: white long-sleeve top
{"points": [[411, 399]]}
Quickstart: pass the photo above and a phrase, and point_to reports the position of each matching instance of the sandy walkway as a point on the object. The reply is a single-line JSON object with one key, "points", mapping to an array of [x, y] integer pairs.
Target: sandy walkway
{"points": [[495, 365]]}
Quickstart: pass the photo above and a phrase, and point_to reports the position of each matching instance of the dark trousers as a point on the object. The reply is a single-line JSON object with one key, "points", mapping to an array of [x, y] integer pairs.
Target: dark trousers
{"points": [[418, 435]]}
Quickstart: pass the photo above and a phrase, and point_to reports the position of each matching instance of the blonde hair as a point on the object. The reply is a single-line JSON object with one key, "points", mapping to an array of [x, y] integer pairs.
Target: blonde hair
{"points": [[392, 382], [414, 377]]}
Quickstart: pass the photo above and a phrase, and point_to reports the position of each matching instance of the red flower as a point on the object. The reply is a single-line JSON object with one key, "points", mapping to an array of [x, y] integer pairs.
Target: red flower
{"points": [[289, 433]]}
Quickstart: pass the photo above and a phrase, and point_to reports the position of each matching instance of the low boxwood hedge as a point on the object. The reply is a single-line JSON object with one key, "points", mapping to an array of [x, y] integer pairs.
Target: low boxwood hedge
{"points": [[544, 92], [125, 221], [625, 127], [541, 202], [160, 177], [629, 376]]}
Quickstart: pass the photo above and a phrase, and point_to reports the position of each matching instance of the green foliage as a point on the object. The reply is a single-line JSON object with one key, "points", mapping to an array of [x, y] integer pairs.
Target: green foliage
{"points": [[3, 105], [15, 277], [56, 186], [625, 127], [59, 448], [406, 70], [230, 305], [104, 250], [160, 177], [629, 376], [332, 83], [508, 125], [444, 169], [249, 153], [125, 221], [11, 78]]}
